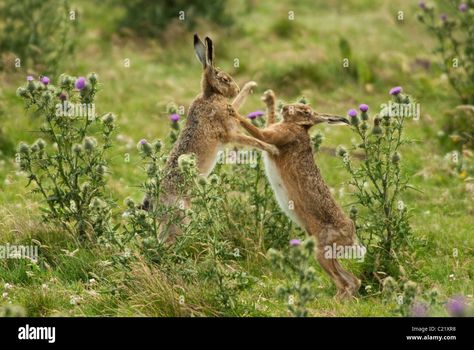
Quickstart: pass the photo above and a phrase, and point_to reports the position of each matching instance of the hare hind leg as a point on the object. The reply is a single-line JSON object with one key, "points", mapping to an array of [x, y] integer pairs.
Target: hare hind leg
{"points": [[346, 284], [353, 283], [173, 219], [328, 265]]}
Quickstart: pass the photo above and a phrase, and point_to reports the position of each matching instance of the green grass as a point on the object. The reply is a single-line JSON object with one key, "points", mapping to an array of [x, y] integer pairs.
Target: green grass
{"points": [[294, 62]]}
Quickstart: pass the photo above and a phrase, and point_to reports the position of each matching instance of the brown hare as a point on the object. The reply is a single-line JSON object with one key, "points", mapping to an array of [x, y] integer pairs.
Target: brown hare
{"points": [[209, 126], [296, 180]]}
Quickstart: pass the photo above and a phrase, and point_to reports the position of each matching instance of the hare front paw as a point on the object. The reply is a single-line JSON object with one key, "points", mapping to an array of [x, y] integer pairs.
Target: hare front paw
{"points": [[273, 150], [250, 85], [268, 97]]}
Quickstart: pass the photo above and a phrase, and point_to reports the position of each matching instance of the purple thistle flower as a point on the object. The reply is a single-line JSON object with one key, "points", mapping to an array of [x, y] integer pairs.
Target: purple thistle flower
{"points": [[352, 113], [174, 117], [463, 7], [45, 80], [443, 17], [363, 107], [143, 142], [396, 90], [62, 96], [419, 309], [30, 78], [295, 242], [456, 305], [253, 115], [422, 5], [80, 83]]}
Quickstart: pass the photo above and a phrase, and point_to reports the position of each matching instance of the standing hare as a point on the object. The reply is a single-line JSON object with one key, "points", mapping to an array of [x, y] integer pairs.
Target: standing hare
{"points": [[296, 179], [209, 126]]}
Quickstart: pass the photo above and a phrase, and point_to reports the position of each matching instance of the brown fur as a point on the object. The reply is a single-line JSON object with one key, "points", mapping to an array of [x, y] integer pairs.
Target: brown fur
{"points": [[208, 127], [315, 210]]}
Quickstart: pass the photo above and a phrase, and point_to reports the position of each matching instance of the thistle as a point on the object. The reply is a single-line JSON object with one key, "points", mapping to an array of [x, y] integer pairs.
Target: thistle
{"points": [[378, 183]]}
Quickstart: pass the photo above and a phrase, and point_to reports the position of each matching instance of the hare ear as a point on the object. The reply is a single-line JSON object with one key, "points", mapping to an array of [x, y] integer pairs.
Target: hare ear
{"points": [[334, 119], [210, 51], [200, 50]]}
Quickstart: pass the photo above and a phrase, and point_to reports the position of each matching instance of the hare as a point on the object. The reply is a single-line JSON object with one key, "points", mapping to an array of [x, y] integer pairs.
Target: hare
{"points": [[208, 127], [296, 179]]}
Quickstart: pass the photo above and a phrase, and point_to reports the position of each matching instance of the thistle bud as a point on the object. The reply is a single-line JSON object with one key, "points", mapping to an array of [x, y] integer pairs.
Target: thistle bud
{"points": [[92, 78], [32, 85], [353, 212], [80, 83], [364, 127], [317, 139], [214, 180], [308, 244], [108, 119], [175, 125], [173, 136], [129, 203], [22, 92], [45, 80], [352, 113], [66, 81], [89, 143], [202, 181], [396, 158], [77, 149], [101, 169], [23, 148], [41, 143], [377, 130], [145, 147], [174, 117], [186, 161], [47, 96], [310, 273], [303, 100], [364, 108], [157, 145], [341, 151]]}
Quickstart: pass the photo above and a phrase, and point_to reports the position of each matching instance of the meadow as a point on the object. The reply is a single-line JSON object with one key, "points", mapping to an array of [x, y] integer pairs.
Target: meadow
{"points": [[139, 77]]}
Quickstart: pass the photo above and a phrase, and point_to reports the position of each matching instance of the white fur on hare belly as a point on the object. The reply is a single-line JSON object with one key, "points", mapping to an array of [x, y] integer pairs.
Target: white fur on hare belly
{"points": [[281, 194], [211, 160]]}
